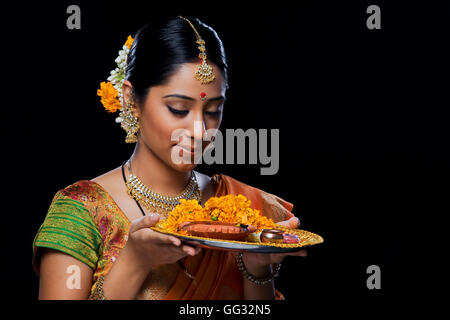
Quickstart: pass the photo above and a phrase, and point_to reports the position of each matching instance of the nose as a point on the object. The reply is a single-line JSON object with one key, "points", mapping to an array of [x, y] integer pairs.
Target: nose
{"points": [[198, 128]]}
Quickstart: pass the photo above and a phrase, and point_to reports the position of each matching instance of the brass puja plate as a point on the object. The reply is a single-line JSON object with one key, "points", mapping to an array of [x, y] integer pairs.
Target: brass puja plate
{"points": [[307, 239]]}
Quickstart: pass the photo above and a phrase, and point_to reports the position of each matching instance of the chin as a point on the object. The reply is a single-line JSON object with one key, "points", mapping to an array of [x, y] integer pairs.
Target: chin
{"points": [[183, 161], [184, 167]]}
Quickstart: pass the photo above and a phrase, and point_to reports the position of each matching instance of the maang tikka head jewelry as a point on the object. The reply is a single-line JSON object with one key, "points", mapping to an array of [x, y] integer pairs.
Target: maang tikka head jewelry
{"points": [[204, 72]]}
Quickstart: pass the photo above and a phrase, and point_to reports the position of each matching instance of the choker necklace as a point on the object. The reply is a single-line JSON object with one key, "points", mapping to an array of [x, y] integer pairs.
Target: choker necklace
{"points": [[157, 202]]}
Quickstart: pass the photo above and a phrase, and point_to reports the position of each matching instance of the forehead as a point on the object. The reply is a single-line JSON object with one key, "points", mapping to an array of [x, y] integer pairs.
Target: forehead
{"points": [[183, 80]]}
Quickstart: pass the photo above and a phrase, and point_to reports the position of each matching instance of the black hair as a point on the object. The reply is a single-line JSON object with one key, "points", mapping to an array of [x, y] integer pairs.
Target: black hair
{"points": [[160, 47]]}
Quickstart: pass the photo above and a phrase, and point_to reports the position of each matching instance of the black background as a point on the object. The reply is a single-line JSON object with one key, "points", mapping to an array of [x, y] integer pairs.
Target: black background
{"points": [[363, 119]]}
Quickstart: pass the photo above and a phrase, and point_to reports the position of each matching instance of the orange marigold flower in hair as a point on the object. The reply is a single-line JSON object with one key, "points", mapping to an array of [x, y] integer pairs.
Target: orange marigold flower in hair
{"points": [[129, 42], [109, 97]]}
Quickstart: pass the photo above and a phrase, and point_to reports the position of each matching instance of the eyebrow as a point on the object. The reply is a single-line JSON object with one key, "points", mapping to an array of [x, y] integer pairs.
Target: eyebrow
{"points": [[180, 96]]}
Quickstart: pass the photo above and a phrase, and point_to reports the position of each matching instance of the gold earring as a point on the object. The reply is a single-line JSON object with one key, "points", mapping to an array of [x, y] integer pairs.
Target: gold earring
{"points": [[129, 122]]}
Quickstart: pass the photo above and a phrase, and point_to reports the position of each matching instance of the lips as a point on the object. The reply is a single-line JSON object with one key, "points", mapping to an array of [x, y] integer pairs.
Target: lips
{"points": [[187, 148], [190, 148]]}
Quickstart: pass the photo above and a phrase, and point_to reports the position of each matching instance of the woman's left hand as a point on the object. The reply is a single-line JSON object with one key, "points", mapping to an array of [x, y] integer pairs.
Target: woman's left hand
{"points": [[256, 261]]}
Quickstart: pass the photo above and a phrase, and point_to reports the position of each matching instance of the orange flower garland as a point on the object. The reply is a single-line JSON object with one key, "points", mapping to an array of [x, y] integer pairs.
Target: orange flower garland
{"points": [[228, 209], [236, 209], [187, 210]]}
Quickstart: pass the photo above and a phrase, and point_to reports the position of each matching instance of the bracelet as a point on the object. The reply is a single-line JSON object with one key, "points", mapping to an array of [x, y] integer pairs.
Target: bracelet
{"points": [[259, 281], [97, 294]]}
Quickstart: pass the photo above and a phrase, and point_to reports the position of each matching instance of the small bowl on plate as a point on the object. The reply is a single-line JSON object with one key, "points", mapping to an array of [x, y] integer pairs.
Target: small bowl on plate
{"points": [[271, 235]]}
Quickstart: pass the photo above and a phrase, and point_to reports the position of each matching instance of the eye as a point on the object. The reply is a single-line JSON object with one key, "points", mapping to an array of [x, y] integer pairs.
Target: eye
{"points": [[177, 112], [213, 113]]}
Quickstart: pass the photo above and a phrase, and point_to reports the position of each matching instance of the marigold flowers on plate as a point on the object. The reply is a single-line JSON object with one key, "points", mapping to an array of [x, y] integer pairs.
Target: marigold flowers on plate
{"points": [[227, 209], [187, 210], [236, 209]]}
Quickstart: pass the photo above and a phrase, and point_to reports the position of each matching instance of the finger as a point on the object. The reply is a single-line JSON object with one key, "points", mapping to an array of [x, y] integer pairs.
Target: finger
{"points": [[278, 257], [301, 253], [144, 222], [189, 250], [193, 244], [171, 252], [292, 223], [182, 251], [165, 239]]}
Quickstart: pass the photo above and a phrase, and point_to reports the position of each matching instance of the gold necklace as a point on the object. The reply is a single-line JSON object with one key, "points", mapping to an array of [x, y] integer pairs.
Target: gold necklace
{"points": [[158, 202]]}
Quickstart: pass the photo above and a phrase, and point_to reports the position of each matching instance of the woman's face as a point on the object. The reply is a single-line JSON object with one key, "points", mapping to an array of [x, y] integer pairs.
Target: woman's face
{"points": [[174, 119]]}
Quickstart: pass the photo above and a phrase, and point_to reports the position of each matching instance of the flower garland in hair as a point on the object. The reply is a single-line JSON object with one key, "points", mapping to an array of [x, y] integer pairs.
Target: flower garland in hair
{"points": [[111, 91]]}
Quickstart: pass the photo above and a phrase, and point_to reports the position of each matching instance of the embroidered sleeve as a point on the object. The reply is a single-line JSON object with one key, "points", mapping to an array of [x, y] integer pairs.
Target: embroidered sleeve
{"points": [[69, 228]]}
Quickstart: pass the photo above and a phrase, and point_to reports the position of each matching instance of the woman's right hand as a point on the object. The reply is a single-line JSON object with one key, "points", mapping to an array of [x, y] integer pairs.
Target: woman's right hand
{"points": [[150, 248]]}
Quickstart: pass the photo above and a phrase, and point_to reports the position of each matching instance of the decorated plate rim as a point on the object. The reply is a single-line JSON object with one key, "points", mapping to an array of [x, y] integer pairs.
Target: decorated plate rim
{"points": [[311, 239]]}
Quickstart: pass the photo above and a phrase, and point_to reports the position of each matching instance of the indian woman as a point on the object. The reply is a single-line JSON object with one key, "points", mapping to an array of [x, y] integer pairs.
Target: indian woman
{"points": [[171, 75]]}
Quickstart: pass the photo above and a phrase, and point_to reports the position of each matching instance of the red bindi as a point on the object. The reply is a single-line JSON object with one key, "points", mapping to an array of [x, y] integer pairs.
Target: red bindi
{"points": [[202, 96]]}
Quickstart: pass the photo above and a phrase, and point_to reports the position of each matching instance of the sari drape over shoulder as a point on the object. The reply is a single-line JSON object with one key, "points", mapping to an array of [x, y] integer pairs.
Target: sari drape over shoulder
{"points": [[85, 222]]}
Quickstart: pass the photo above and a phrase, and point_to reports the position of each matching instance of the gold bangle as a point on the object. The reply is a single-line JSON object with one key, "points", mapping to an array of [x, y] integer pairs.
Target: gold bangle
{"points": [[259, 281], [97, 294]]}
